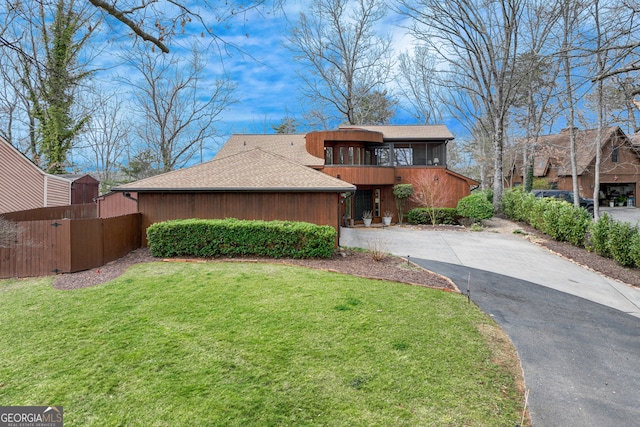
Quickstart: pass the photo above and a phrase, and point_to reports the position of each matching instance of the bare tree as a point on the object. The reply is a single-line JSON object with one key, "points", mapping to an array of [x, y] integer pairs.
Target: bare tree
{"points": [[375, 108], [157, 21], [536, 73], [344, 60], [430, 193], [417, 78], [107, 137], [623, 47], [478, 40], [178, 108]]}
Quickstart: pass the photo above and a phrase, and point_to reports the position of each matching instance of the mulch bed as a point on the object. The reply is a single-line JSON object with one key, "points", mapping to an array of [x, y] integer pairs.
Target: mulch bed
{"points": [[362, 264], [348, 262]]}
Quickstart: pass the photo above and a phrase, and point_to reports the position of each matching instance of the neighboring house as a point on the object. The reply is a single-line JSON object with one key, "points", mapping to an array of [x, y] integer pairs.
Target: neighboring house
{"points": [[619, 165], [320, 177], [23, 185]]}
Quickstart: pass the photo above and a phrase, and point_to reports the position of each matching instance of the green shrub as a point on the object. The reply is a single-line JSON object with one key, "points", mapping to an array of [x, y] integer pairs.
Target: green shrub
{"points": [[489, 194], [402, 192], [621, 237], [517, 205], [573, 224], [475, 206], [232, 237], [446, 216], [599, 236], [550, 217], [635, 249], [541, 184]]}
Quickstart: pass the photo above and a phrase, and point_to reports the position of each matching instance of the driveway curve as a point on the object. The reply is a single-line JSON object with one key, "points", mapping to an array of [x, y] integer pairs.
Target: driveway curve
{"points": [[577, 333]]}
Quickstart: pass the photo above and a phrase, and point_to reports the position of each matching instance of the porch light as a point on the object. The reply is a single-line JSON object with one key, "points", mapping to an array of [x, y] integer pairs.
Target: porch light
{"points": [[398, 178], [436, 161]]}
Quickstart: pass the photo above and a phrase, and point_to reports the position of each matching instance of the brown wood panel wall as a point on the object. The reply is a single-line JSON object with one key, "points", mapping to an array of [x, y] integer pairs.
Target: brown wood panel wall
{"points": [[64, 246], [38, 250], [87, 239], [121, 235], [316, 208], [315, 141], [456, 188], [115, 204], [363, 175], [83, 211]]}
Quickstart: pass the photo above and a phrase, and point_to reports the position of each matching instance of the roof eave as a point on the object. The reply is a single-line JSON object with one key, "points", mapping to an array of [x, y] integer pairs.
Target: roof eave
{"points": [[239, 190]]}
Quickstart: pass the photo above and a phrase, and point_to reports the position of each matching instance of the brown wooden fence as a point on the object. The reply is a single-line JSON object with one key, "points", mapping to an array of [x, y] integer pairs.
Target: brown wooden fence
{"points": [[51, 246], [83, 211]]}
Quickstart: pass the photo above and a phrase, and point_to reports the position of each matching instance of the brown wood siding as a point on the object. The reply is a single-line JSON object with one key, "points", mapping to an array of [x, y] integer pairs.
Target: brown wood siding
{"points": [[456, 188], [21, 182], [64, 246], [315, 141], [58, 191], [362, 175], [115, 204], [316, 208]]}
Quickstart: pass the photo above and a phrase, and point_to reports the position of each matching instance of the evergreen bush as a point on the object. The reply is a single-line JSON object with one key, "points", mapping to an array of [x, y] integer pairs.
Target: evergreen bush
{"points": [[445, 216], [599, 236], [475, 206], [621, 237], [232, 237]]}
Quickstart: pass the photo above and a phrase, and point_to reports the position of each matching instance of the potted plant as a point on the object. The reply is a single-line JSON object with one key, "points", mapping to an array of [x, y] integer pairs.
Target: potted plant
{"points": [[387, 217], [367, 216], [620, 200]]}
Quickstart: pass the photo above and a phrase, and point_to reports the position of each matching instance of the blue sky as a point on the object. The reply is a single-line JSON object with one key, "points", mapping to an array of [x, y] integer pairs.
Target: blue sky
{"points": [[268, 87]]}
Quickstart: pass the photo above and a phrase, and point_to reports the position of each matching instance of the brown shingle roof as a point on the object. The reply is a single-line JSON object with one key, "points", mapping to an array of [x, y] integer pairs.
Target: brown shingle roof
{"points": [[254, 170], [554, 150], [289, 146], [405, 132]]}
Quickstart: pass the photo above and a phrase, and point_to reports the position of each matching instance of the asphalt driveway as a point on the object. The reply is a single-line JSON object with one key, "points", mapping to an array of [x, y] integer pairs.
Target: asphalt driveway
{"points": [[577, 333]]}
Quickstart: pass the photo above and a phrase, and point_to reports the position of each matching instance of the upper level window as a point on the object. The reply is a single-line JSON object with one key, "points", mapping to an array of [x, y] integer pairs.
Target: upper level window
{"points": [[383, 157], [614, 155], [328, 155]]}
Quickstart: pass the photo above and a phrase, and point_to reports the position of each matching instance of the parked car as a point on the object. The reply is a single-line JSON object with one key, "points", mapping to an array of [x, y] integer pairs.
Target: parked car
{"points": [[567, 196]]}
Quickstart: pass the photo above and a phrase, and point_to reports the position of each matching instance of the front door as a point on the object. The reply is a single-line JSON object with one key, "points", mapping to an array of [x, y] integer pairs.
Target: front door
{"points": [[363, 201]]}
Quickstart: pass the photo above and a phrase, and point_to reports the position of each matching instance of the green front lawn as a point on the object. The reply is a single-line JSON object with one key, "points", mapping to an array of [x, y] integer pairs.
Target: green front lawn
{"points": [[177, 344]]}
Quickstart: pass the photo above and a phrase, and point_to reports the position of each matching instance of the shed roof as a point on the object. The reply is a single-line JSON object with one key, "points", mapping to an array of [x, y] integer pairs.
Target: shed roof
{"points": [[254, 170]]}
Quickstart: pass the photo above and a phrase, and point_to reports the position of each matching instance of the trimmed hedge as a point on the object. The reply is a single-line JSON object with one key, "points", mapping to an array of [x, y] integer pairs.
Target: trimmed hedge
{"points": [[564, 222], [447, 216], [232, 237], [599, 236], [476, 206]]}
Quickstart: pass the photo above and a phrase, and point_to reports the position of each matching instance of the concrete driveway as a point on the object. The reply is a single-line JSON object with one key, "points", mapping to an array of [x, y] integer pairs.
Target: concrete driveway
{"points": [[577, 332], [623, 214]]}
